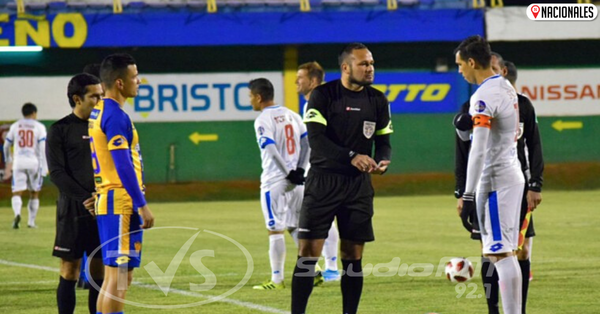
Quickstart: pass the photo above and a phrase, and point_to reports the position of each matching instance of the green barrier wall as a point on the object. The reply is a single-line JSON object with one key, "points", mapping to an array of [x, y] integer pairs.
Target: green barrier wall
{"points": [[421, 143]]}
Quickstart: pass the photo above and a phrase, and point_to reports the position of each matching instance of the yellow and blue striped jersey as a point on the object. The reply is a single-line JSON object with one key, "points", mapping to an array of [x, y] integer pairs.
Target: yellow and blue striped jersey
{"points": [[110, 129]]}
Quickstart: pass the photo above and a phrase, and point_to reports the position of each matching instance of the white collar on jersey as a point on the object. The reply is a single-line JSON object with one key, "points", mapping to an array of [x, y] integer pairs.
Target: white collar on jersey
{"points": [[490, 78], [271, 107]]}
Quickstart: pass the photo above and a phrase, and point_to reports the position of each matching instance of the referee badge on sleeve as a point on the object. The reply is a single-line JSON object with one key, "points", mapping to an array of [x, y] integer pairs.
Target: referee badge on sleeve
{"points": [[368, 129]]}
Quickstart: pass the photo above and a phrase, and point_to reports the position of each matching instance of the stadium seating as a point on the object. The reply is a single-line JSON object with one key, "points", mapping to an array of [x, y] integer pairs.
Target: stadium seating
{"points": [[92, 6]]}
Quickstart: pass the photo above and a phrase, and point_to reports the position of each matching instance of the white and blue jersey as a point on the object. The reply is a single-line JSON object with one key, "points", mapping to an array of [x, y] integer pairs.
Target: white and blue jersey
{"points": [[278, 126]]}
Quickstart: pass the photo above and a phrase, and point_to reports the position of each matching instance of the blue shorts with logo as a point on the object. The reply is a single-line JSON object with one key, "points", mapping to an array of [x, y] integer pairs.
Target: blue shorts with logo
{"points": [[121, 239]]}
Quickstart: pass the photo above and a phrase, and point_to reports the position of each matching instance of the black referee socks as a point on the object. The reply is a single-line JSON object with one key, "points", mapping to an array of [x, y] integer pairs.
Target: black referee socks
{"points": [[489, 276], [352, 284], [302, 283], [525, 269], [65, 296]]}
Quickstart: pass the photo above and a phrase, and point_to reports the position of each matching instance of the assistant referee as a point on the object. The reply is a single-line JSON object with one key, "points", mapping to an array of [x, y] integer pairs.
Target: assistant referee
{"points": [[69, 161], [344, 119]]}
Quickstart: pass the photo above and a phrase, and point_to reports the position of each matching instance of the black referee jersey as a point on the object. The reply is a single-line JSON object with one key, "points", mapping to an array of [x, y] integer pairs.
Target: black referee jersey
{"points": [[529, 139], [345, 123], [69, 157]]}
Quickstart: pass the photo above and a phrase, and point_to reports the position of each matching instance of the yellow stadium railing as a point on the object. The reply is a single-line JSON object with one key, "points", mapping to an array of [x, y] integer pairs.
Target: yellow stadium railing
{"points": [[392, 5], [117, 6], [305, 5], [493, 3], [211, 6], [20, 7]]}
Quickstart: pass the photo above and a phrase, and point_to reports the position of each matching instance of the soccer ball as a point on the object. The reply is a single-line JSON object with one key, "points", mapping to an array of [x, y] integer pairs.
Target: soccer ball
{"points": [[459, 269]]}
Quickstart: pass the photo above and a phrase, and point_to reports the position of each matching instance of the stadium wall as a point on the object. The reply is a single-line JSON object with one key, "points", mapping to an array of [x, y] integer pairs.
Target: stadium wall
{"points": [[423, 143]]}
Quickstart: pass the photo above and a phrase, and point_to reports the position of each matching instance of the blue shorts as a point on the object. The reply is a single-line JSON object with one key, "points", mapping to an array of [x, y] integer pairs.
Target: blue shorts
{"points": [[121, 239]]}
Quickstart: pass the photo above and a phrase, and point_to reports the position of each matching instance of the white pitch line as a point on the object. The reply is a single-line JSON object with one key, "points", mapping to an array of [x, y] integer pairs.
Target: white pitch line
{"points": [[249, 305], [225, 300], [46, 268], [16, 283]]}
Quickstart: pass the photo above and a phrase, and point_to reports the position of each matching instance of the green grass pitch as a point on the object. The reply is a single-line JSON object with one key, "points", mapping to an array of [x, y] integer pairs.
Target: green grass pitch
{"points": [[418, 230]]}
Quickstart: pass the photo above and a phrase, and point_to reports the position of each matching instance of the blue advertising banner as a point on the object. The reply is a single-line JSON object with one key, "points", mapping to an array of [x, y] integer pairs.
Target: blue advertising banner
{"points": [[76, 30], [420, 92]]}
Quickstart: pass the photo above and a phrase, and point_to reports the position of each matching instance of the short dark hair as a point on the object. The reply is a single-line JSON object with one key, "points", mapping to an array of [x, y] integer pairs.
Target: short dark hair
{"points": [[476, 48], [78, 86], [263, 87], [114, 67], [314, 70], [28, 109], [498, 56], [511, 71], [93, 69], [348, 51]]}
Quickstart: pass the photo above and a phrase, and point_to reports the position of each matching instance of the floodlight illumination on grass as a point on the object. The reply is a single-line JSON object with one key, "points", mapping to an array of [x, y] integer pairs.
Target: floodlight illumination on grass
{"points": [[21, 48]]}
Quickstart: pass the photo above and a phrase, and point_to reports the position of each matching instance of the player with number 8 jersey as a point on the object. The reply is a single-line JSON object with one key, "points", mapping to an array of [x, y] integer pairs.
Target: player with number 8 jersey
{"points": [[281, 137]]}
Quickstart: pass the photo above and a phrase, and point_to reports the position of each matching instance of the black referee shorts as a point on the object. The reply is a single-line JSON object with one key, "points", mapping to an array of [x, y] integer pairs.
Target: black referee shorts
{"points": [[327, 196], [76, 230], [530, 229]]}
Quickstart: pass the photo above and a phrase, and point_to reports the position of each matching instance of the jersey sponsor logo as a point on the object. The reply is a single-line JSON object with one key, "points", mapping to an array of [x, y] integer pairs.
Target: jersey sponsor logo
{"points": [[94, 114], [61, 249], [138, 246], [261, 130], [303, 230], [352, 109], [117, 142], [280, 119], [122, 260], [85, 137], [496, 247], [368, 129], [480, 106]]}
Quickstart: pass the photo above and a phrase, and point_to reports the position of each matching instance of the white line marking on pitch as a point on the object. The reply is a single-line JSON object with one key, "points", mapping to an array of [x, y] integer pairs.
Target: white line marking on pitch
{"points": [[249, 305], [16, 283]]}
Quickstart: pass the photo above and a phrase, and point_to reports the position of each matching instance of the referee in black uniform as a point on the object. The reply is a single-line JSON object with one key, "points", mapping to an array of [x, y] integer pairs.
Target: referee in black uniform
{"points": [[69, 162], [529, 151], [344, 118]]}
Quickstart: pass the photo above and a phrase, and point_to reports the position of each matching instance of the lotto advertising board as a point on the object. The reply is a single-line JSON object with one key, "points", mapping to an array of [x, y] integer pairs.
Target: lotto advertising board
{"points": [[420, 92]]}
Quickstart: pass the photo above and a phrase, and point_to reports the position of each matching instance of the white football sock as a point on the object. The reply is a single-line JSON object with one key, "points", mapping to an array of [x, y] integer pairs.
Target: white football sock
{"points": [[33, 206], [277, 256], [17, 203], [509, 274], [330, 248]]}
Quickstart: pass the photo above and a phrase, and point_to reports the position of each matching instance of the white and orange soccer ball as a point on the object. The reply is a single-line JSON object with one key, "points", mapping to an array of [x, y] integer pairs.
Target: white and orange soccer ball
{"points": [[459, 269]]}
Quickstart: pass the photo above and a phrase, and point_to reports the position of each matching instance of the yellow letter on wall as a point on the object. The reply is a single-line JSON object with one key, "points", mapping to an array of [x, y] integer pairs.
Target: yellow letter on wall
{"points": [[4, 18], [40, 36], [80, 30]]}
